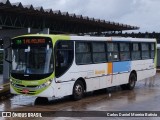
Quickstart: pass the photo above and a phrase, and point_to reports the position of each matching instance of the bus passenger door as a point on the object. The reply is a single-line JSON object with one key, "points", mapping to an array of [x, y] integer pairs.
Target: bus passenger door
{"points": [[63, 58]]}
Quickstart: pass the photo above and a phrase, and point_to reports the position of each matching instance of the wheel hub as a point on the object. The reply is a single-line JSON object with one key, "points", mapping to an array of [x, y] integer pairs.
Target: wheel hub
{"points": [[78, 90]]}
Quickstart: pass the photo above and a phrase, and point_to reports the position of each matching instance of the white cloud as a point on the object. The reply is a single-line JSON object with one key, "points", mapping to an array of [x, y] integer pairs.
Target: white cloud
{"points": [[146, 15], [142, 13]]}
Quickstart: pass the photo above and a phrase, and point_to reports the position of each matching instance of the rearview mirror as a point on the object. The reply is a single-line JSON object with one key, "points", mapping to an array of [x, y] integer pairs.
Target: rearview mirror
{"points": [[7, 53], [7, 49]]}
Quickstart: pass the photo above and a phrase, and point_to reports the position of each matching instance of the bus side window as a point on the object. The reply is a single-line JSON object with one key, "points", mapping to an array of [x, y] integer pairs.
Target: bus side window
{"points": [[145, 50], [83, 53], [152, 50], [98, 52], [112, 52], [124, 51], [64, 57], [136, 53]]}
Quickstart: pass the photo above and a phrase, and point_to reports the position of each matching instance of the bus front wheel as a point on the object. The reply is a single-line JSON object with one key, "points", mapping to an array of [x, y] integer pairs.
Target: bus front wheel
{"points": [[78, 90], [41, 100]]}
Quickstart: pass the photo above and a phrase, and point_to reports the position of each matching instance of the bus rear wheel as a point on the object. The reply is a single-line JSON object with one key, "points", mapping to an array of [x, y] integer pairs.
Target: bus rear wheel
{"points": [[78, 90], [132, 81], [131, 84]]}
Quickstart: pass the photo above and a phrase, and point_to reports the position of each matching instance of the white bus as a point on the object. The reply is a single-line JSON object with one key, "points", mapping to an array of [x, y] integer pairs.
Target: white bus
{"points": [[62, 65]]}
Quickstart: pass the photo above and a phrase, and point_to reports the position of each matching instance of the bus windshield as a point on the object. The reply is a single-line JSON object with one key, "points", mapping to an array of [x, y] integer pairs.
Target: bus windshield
{"points": [[32, 59]]}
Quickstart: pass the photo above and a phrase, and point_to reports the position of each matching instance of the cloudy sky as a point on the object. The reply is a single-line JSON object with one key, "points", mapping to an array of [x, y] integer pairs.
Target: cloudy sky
{"points": [[142, 13]]}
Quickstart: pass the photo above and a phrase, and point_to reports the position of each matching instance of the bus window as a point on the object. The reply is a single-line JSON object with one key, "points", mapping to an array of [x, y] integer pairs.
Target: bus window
{"points": [[64, 57], [145, 50], [83, 53], [152, 48], [136, 54], [99, 54], [112, 52], [124, 51]]}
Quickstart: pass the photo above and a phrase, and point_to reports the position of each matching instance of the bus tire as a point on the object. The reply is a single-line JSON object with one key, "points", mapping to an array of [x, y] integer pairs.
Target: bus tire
{"points": [[124, 86], [41, 100], [132, 81], [78, 90]]}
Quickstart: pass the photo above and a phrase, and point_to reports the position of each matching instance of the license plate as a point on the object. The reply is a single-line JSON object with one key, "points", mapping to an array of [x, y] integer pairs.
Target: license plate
{"points": [[25, 91]]}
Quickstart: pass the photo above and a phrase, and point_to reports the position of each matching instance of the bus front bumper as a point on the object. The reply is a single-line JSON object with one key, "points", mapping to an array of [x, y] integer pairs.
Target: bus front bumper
{"points": [[47, 92]]}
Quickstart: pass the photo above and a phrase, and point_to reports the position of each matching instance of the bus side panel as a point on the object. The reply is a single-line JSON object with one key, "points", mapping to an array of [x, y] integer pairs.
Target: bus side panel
{"points": [[98, 76], [93, 75], [121, 67], [105, 81], [120, 79], [121, 71], [63, 89], [144, 68]]}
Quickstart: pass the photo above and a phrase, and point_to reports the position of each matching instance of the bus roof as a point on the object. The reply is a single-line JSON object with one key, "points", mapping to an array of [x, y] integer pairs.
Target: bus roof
{"points": [[92, 38]]}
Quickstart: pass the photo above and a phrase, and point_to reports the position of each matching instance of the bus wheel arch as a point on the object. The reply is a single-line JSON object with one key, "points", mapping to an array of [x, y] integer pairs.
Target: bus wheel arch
{"points": [[131, 81], [78, 89]]}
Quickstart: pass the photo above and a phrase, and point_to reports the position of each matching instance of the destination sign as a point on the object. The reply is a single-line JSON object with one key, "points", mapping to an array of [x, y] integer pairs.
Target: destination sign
{"points": [[30, 41]]}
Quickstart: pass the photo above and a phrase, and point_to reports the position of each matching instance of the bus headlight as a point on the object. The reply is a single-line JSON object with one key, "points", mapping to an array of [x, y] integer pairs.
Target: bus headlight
{"points": [[13, 84], [45, 84]]}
